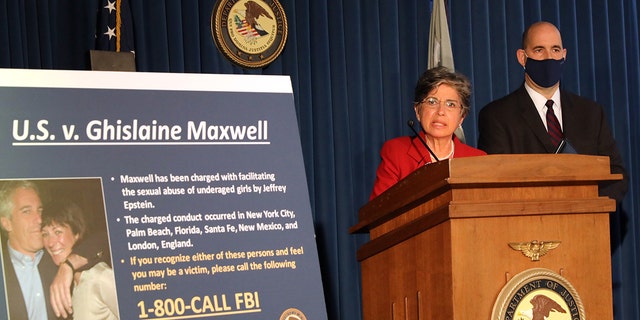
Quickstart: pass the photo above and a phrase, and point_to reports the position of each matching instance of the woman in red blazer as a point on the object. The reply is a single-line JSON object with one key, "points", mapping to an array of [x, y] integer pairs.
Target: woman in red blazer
{"points": [[442, 100]]}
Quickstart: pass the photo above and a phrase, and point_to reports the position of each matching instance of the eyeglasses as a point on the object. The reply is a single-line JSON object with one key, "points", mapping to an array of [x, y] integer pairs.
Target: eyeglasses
{"points": [[432, 103]]}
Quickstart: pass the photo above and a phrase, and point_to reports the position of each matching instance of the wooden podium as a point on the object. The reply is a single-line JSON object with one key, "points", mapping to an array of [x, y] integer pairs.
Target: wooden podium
{"points": [[439, 239]]}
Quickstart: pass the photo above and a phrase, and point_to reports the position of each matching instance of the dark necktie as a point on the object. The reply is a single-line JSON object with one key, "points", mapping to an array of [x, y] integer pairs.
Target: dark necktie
{"points": [[553, 125]]}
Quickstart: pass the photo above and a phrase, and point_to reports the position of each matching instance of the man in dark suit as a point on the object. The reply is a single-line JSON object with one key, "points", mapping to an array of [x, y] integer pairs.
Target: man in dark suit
{"points": [[522, 122], [27, 269]]}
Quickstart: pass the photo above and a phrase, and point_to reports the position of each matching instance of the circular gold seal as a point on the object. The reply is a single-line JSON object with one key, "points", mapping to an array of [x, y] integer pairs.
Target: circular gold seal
{"points": [[293, 314], [538, 293], [251, 33]]}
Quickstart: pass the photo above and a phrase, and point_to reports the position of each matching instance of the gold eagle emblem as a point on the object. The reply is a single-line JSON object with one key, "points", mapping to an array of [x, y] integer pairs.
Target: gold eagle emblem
{"points": [[534, 249]]}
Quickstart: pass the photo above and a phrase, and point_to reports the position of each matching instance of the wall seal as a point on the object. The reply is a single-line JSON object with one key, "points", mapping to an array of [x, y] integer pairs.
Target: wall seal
{"points": [[250, 33]]}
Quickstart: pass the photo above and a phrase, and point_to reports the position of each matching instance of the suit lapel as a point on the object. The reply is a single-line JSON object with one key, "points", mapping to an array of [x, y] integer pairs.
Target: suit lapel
{"points": [[568, 109], [531, 117], [17, 306]]}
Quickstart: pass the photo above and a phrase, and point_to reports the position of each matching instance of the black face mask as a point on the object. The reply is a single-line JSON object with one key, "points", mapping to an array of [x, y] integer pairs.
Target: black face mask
{"points": [[544, 73]]}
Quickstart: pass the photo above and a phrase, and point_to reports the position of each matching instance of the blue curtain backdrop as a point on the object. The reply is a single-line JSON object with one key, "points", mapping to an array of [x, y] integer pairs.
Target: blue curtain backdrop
{"points": [[353, 65]]}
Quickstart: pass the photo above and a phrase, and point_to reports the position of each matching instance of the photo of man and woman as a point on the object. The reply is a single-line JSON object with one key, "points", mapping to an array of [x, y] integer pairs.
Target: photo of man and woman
{"points": [[55, 250]]}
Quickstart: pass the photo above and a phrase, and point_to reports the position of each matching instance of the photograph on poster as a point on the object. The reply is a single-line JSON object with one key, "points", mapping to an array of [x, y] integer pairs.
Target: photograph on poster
{"points": [[44, 222]]}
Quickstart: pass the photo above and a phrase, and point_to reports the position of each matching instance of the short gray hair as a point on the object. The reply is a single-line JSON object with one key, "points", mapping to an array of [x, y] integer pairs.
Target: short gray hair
{"points": [[434, 77], [6, 194]]}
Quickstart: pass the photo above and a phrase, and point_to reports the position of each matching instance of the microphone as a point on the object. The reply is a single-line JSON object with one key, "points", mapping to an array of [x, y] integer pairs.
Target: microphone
{"points": [[410, 124]]}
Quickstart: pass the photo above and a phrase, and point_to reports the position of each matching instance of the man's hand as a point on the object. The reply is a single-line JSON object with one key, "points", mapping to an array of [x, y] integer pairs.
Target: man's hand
{"points": [[60, 289]]}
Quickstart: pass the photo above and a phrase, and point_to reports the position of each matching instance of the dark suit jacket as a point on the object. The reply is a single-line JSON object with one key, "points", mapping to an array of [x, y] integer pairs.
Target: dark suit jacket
{"points": [[403, 155], [512, 125], [17, 307]]}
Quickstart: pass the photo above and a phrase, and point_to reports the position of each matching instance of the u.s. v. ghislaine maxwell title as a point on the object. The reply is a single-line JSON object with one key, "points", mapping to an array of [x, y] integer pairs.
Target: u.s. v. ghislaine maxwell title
{"points": [[134, 131]]}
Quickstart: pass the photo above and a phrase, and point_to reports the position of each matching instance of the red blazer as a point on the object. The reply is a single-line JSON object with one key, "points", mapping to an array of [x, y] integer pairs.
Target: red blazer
{"points": [[403, 155]]}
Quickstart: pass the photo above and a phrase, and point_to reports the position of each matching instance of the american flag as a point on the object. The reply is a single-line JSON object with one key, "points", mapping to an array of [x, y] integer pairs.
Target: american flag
{"points": [[244, 28], [115, 26]]}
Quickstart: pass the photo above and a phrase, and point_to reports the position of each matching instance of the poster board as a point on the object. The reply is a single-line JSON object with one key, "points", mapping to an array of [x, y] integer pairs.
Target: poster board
{"points": [[205, 198]]}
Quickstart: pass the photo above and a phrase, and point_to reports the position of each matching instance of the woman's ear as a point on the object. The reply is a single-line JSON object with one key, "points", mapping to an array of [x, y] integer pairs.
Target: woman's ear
{"points": [[461, 121]]}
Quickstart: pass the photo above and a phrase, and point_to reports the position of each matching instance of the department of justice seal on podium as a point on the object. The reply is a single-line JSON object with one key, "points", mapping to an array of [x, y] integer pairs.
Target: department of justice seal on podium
{"points": [[538, 293], [250, 33]]}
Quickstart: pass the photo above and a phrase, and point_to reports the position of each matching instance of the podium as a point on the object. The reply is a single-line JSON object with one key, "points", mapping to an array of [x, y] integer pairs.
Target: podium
{"points": [[439, 239]]}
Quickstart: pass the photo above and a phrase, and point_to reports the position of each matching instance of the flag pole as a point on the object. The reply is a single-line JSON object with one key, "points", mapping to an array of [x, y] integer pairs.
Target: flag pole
{"points": [[440, 53]]}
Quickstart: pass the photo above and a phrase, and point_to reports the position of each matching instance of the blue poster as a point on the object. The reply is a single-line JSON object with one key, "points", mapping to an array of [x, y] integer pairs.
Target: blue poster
{"points": [[196, 182]]}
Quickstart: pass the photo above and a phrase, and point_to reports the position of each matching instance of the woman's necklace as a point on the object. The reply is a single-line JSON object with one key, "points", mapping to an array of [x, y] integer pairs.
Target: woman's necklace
{"points": [[449, 156]]}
